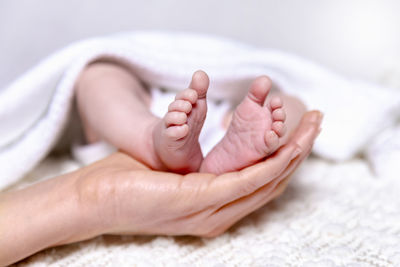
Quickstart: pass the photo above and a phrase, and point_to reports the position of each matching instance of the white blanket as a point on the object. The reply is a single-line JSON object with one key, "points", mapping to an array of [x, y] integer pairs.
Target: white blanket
{"points": [[34, 109]]}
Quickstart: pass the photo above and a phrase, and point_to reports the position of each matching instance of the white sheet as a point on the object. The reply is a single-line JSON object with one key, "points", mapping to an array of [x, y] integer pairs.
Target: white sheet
{"points": [[35, 108]]}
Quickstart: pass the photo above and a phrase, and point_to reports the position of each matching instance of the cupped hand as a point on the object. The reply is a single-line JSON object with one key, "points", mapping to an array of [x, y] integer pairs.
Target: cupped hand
{"points": [[130, 198]]}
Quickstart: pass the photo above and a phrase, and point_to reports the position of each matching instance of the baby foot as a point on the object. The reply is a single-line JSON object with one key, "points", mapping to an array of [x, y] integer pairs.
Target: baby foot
{"points": [[253, 134], [176, 137]]}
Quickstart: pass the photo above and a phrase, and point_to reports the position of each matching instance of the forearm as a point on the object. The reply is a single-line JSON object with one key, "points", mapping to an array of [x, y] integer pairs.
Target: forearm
{"points": [[44, 215]]}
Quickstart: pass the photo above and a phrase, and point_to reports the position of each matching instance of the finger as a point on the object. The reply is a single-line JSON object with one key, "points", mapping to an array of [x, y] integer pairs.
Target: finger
{"points": [[296, 162], [308, 130], [217, 219], [223, 218], [238, 184], [229, 214], [304, 138], [231, 186], [260, 197], [280, 188], [246, 203]]}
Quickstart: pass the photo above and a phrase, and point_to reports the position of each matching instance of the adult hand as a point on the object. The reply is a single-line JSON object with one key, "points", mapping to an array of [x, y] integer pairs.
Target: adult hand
{"points": [[119, 195], [132, 199]]}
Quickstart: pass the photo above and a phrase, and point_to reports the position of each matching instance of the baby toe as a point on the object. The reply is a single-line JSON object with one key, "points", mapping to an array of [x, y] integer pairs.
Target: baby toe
{"points": [[276, 102], [177, 132], [279, 114], [175, 118], [279, 128], [188, 95], [180, 106], [271, 140], [259, 90], [200, 83]]}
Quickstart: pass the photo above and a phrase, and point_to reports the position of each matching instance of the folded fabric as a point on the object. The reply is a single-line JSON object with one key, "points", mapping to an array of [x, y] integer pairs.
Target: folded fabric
{"points": [[384, 153], [35, 108]]}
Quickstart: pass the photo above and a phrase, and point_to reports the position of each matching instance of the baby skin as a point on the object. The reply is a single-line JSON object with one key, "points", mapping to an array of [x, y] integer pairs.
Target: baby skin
{"points": [[258, 126]]}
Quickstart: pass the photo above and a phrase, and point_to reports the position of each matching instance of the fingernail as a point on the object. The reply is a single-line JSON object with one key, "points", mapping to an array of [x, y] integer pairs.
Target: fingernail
{"points": [[316, 116], [295, 153]]}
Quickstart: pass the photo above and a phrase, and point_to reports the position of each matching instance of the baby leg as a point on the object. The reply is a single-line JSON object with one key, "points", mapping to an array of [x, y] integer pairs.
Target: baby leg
{"points": [[114, 106]]}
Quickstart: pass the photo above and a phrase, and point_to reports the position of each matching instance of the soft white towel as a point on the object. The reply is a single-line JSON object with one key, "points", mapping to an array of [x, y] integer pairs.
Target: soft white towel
{"points": [[34, 109], [384, 153]]}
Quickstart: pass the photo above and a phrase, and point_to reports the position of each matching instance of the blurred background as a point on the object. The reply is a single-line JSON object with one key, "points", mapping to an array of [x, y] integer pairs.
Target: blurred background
{"points": [[357, 38]]}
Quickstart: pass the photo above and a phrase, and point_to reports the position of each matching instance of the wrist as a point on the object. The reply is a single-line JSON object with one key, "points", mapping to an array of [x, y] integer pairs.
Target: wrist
{"points": [[43, 215], [107, 189], [65, 217], [84, 211], [95, 193]]}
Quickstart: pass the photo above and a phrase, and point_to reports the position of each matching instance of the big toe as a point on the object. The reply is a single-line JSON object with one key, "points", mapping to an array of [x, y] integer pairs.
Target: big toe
{"points": [[259, 89], [200, 83]]}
